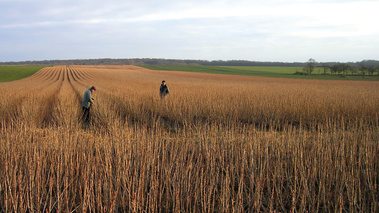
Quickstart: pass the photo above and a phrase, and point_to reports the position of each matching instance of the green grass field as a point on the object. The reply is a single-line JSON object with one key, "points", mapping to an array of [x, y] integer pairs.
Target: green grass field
{"points": [[280, 72], [16, 72]]}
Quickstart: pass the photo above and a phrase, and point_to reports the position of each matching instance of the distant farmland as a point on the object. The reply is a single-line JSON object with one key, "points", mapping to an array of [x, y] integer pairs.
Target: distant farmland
{"points": [[16, 72], [218, 143], [281, 72]]}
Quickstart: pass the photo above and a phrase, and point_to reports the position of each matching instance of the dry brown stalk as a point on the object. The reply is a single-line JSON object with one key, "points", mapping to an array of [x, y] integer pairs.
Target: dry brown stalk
{"points": [[217, 143]]}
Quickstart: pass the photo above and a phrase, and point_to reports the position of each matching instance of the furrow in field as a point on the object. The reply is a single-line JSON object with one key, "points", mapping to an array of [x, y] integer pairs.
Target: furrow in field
{"points": [[67, 107], [38, 75], [73, 75], [78, 87], [21, 100], [87, 72], [79, 81], [52, 74], [90, 73], [57, 73], [29, 100], [64, 76], [48, 104], [47, 75], [109, 103], [67, 73], [102, 109], [43, 74], [74, 72], [80, 75]]}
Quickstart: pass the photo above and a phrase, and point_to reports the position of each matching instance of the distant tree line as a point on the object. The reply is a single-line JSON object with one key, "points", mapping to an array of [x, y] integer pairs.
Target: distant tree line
{"points": [[331, 67], [366, 67]]}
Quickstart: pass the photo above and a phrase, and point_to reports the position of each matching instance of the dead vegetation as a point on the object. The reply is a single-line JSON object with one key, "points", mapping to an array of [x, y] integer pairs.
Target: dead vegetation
{"points": [[216, 144]]}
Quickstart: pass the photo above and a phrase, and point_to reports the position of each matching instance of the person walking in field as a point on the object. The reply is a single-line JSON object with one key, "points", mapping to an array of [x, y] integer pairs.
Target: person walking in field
{"points": [[163, 90], [87, 102]]}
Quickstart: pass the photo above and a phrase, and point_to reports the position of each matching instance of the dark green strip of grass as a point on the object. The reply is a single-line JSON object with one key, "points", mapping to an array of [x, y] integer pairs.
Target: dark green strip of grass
{"points": [[16, 72]]}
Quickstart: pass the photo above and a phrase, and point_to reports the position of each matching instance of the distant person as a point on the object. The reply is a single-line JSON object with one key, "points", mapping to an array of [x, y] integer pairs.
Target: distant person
{"points": [[87, 102], [163, 90]]}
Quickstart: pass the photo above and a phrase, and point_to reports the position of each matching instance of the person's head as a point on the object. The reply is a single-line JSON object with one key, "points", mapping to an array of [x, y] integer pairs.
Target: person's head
{"points": [[163, 82], [93, 89]]}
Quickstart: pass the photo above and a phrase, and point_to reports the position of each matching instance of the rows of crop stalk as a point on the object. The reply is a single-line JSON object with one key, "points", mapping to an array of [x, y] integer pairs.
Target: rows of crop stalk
{"points": [[226, 144], [296, 102]]}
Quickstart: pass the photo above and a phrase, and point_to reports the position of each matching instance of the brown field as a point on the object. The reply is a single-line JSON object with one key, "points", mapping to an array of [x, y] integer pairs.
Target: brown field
{"points": [[218, 143]]}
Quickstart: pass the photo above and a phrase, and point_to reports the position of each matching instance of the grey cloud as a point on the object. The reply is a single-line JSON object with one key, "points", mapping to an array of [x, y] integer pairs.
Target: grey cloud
{"points": [[252, 30]]}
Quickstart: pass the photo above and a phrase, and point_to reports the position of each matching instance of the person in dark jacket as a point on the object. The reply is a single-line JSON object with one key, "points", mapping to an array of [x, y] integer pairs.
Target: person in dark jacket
{"points": [[87, 102], [163, 90]]}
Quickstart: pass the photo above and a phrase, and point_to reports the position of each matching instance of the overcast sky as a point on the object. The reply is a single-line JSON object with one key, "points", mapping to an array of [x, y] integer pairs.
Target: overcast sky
{"points": [[256, 30]]}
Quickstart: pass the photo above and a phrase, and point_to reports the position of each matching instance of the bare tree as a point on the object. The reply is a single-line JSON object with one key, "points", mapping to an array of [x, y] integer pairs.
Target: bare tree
{"points": [[310, 66]]}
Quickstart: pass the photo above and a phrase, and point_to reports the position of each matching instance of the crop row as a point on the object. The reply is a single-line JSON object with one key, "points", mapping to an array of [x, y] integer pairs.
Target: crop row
{"points": [[217, 143]]}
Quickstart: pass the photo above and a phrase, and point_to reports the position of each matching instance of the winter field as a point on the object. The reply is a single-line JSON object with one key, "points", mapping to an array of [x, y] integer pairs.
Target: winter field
{"points": [[14, 72], [217, 143], [353, 73]]}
